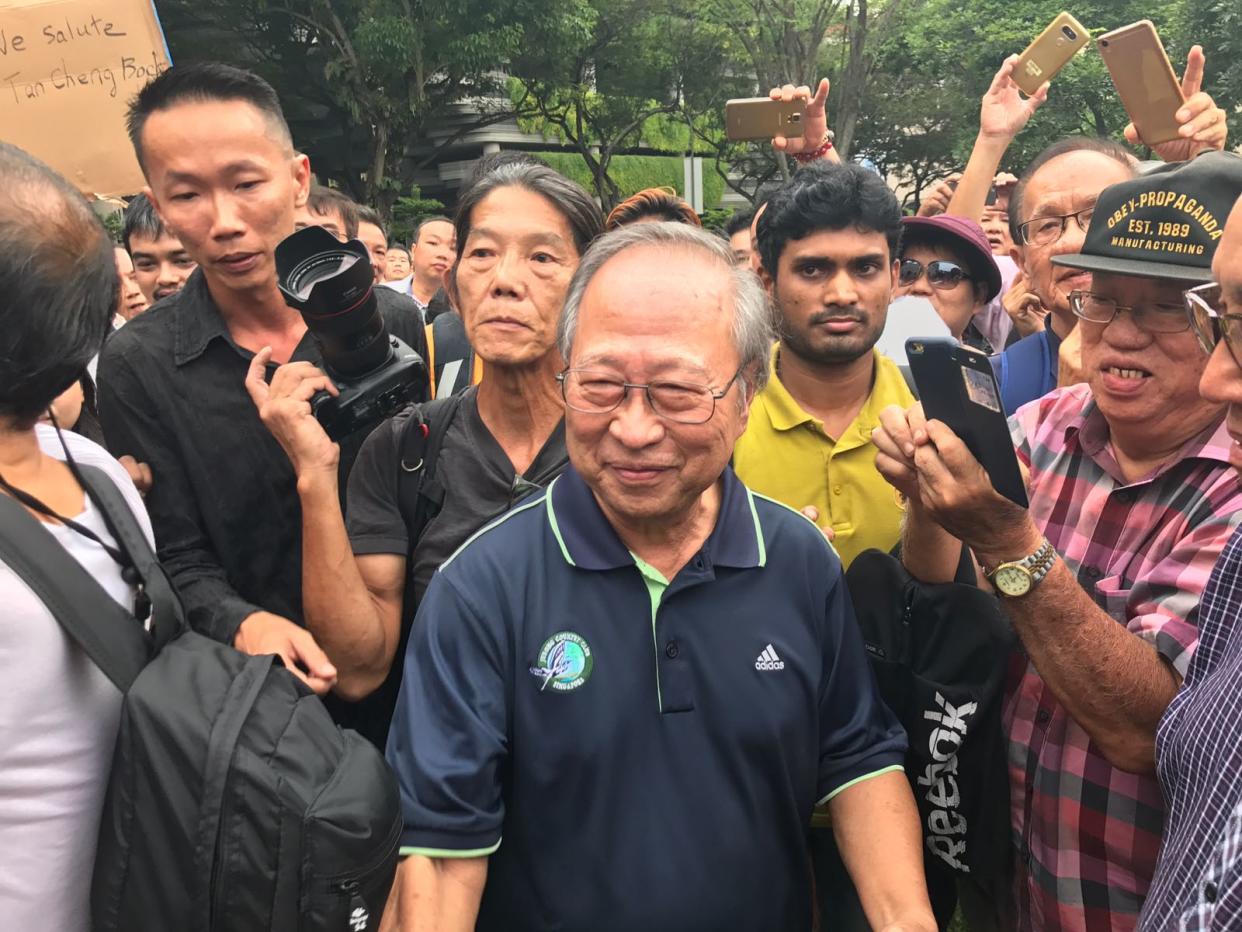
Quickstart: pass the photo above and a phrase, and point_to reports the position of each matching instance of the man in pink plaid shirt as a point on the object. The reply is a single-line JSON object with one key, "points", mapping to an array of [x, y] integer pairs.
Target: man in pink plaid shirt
{"points": [[1132, 499]]}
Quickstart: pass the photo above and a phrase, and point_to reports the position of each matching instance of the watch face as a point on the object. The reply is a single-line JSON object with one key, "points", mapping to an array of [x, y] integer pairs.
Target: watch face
{"points": [[1012, 580]]}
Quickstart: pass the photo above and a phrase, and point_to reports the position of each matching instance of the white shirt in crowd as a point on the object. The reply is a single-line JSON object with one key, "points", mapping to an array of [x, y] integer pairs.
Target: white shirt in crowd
{"points": [[58, 725]]}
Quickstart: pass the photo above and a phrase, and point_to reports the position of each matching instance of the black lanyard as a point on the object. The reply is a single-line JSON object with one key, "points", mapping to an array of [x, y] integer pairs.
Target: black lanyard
{"points": [[142, 604]]}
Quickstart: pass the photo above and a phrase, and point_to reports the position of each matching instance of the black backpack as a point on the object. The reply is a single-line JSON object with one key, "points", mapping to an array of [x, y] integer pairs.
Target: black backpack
{"points": [[940, 654], [234, 802]]}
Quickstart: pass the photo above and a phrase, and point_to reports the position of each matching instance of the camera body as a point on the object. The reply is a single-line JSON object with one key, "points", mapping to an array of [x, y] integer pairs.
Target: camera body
{"points": [[331, 284], [373, 398]]}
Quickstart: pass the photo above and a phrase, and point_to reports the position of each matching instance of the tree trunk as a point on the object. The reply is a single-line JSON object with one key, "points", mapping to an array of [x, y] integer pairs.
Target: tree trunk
{"points": [[855, 78], [379, 161]]}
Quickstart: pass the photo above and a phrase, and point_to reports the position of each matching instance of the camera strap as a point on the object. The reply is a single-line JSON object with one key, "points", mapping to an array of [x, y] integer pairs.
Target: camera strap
{"points": [[419, 494]]}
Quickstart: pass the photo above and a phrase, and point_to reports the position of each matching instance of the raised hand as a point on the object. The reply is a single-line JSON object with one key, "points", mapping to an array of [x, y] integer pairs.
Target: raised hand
{"points": [[1005, 111], [937, 199], [1202, 124], [1023, 306], [814, 119]]}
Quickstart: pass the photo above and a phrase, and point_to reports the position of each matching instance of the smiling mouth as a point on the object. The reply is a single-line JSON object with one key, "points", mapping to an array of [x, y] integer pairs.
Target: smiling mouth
{"points": [[1134, 374]]}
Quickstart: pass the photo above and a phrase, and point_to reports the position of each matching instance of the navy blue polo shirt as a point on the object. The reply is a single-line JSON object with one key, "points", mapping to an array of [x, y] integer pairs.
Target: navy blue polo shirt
{"points": [[1028, 369], [635, 753]]}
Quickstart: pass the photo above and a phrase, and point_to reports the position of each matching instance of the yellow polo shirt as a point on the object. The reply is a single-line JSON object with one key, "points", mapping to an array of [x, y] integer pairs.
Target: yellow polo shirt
{"points": [[786, 455]]}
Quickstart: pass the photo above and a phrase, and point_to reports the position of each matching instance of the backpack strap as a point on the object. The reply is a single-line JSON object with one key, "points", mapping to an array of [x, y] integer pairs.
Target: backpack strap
{"points": [[167, 619], [221, 745], [419, 493], [909, 377], [453, 361], [431, 360], [109, 635]]}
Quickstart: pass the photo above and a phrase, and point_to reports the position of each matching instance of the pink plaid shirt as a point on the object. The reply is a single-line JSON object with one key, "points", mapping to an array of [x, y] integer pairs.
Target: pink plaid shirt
{"points": [[1087, 834]]}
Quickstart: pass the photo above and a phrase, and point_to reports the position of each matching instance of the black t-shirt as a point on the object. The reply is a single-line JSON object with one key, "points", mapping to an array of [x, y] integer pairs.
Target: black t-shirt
{"points": [[224, 502], [479, 481]]}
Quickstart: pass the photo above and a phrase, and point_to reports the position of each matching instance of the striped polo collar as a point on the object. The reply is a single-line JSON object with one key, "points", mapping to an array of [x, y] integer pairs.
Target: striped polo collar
{"points": [[587, 539]]}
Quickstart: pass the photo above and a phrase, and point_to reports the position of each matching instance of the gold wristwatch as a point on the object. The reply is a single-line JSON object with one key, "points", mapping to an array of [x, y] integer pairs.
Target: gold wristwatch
{"points": [[1017, 578]]}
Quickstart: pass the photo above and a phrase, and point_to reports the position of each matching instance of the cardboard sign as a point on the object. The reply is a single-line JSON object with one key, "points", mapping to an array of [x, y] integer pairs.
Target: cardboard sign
{"points": [[68, 69]]}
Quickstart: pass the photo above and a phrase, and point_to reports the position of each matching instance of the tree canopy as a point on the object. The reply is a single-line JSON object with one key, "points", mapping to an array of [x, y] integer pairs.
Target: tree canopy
{"points": [[376, 89]]}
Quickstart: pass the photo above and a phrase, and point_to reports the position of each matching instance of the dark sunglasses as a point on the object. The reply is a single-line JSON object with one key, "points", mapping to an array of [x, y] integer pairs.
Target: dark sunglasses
{"points": [[941, 273]]}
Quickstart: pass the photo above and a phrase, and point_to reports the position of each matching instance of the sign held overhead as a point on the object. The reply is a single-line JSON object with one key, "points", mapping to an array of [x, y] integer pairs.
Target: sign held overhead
{"points": [[68, 69]]}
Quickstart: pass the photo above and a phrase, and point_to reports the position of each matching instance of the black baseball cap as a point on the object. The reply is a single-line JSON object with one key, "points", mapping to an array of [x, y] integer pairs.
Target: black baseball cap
{"points": [[1163, 224]]}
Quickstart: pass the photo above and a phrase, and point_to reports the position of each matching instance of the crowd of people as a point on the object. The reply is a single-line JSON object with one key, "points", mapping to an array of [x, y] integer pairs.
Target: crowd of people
{"points": [[648, 455]]}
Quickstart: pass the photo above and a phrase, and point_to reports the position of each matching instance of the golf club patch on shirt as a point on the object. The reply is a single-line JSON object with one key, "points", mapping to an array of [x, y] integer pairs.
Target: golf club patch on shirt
{"points": [[564, 662]]}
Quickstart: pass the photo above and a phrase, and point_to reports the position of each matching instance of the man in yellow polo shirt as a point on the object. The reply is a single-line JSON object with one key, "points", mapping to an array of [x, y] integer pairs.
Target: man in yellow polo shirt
{"points": [[828, 244]]}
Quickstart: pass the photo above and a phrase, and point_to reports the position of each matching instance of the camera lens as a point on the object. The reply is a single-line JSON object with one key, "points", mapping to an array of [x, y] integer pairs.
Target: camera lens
{"points": [[331, 284], [916, 348], [1069, 33], [1103, 43]]}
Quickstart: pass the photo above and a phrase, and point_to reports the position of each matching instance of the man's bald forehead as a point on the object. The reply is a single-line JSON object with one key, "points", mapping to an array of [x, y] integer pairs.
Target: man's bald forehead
{"points": [[37, 204]]}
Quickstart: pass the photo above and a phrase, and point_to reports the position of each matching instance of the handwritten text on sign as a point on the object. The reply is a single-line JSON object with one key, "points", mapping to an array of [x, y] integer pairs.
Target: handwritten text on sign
{"points": [[68, 68]]}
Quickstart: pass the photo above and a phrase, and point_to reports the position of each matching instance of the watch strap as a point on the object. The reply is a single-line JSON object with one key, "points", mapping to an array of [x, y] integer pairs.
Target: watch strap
{"points": [[1038, 563]]}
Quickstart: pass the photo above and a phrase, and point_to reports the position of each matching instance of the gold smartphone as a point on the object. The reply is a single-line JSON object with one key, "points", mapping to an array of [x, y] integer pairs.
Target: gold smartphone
{"points": [[763, 118], [1049, 53], [1144, 79]]}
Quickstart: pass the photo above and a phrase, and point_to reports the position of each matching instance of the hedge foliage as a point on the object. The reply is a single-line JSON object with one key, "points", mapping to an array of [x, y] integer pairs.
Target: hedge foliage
{"points": [[633, 173]]}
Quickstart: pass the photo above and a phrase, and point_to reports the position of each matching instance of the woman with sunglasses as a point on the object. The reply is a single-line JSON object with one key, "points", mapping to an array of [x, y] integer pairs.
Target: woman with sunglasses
{"points": [[948, 260]]}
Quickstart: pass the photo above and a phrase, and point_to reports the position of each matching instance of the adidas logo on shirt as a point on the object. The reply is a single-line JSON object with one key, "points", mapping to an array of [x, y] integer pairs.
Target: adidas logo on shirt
{"points": [[768, 660]]}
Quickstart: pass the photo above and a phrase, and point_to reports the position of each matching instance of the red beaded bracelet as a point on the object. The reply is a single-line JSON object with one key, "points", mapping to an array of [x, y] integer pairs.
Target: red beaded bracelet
{"points": [[805, 158]]}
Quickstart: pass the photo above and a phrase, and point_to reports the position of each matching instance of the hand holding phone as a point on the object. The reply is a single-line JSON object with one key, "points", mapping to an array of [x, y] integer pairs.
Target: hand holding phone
{"points": [[1202, 124], [956, 386], [1145, 81], [1004, 111]]}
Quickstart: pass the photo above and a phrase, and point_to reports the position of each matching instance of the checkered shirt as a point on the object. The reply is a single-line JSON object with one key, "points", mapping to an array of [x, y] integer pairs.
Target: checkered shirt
{"points": [[1086, 832], [1198, 883]]}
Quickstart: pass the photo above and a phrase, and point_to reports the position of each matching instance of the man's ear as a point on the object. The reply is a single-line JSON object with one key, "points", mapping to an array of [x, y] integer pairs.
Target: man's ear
{"points": [[768, 281], [450, 287], [301, 170], [1018, 255], [156, 204]]}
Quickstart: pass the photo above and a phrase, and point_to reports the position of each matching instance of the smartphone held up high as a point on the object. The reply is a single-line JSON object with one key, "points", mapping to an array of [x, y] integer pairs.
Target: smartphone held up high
{"points": [[1144, 79], [1049, 53], [763, 118]]}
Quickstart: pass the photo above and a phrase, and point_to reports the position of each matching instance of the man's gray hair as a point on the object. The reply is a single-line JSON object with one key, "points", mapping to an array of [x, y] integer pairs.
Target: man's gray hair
{"points": [[752, 313]]}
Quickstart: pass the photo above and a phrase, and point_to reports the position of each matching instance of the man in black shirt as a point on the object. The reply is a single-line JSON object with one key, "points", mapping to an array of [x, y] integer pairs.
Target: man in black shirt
{"points": [[225, 179], [520, 234]]}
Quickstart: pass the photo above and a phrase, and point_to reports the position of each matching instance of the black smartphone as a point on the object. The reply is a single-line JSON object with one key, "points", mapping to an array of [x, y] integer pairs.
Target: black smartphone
{"points": [[991, 201], [957, 386]]}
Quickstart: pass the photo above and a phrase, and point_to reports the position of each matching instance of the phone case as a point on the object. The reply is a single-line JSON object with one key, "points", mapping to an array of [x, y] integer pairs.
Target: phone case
{"points": [[1144, 79], [957, 386], [763, 118], [1049, 53]]}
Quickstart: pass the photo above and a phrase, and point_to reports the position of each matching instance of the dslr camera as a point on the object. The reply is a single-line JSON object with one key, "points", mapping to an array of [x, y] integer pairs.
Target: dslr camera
{"points": [[331, 284]]}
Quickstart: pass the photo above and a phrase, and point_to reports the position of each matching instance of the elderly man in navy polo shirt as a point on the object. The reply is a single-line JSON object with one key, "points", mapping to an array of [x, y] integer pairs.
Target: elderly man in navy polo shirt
{"points": [[623, 699]]}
